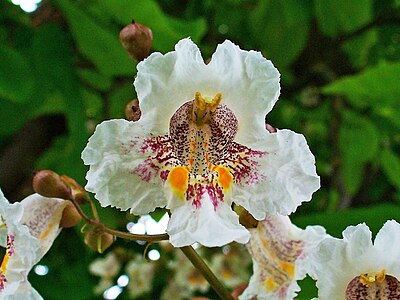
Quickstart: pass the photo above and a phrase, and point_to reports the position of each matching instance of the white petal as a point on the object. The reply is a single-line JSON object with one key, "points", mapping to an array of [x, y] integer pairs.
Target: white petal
{"points": [[165, 82], [42, 216], [209, 227], [337, 262], [290, 176], [20, 290], [249, 84], [387, 241], [113, 155], [279, 248]]}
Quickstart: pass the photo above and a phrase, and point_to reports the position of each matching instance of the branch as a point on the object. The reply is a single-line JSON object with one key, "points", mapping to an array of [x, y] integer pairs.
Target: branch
{"points": [[199, 263], [121, 234]]}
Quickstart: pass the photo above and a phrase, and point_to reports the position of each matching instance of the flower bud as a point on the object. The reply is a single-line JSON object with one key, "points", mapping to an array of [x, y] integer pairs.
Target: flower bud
{"points": [[70, 216], [132, 110], [136, 39], [98, 240], [245, 218], [78, 193], [49, 184], [270, 128]]}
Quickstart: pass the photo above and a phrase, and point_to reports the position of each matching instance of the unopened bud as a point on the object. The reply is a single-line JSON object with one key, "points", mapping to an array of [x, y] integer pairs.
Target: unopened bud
{"points": [[70, 216], [136, 39], [132, 110], [78, 193], [98, 240], [246, 219], [49, 184], [270, 128]]}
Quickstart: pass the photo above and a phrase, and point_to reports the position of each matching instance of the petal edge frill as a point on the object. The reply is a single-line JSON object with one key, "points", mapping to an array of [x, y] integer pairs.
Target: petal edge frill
{"points": [[113, 153], [289, 173], [189, 224]]}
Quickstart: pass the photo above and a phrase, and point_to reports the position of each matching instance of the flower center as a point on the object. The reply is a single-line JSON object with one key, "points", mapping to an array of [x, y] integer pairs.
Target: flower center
{"points": [[201, 132], [368, 279], [373, 286]]}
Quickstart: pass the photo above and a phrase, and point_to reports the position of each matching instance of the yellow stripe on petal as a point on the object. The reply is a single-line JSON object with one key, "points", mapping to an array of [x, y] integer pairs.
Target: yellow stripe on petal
{"points": [[4, 263], [225, 177], [178, 180], [288, 267], [269, 284]]}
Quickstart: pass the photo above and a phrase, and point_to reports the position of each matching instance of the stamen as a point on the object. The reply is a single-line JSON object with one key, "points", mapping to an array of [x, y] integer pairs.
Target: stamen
{"points": [[203, 107], [370, 278]]}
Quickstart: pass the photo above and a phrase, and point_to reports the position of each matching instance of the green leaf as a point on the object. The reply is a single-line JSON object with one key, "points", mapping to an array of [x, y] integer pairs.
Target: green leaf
{"points": [[119, 99], [358, 144], [342, 16], [94, 79], [16, 76], [97, 43], [358, 48], [377, 87], [167, 31], [336, 222], [281, 29], [391, 166]]}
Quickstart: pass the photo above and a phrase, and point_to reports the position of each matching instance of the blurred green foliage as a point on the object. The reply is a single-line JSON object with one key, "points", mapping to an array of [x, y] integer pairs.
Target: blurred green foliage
{"points": [[340, 65]]}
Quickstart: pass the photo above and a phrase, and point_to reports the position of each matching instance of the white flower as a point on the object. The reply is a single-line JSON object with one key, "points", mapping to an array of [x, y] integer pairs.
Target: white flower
{"points": [[141, 273], [232, 266], [107, 268], [200, 145], [356, 268], [281, 256], [28, 229], [185, 279]]}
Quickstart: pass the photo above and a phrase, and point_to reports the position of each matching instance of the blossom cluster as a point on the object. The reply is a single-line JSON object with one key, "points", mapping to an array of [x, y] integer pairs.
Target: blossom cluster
{"points": [[201, 148]]}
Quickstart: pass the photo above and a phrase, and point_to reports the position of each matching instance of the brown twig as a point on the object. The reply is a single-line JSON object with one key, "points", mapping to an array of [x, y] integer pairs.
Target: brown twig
{"points": [[121, 234], [199, 263]]}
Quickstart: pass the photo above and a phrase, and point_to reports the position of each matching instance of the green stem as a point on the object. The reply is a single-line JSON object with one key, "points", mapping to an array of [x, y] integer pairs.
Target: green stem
{"points": [[199, 263]]}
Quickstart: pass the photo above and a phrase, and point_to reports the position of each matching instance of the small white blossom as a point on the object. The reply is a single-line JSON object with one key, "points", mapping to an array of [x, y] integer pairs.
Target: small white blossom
{"points": [[355, 268], [281, 255], [28, 230]]}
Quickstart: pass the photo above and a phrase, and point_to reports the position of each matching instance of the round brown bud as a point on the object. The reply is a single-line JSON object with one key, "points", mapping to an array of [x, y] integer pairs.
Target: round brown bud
{"points": [[98, 240], [270, 128], [78, 193], [70, 216], [49, 184], [132, 110], [247, 220], [136, 39]]}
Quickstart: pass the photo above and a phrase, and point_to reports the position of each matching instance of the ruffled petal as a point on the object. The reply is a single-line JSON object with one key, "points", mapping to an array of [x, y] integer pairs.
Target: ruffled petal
{"points": [[338, 262], [207, 225], [249, 85], [286, 176], [114, 155], [165, 82], [248, 82], [42, 216], [387, 241]]}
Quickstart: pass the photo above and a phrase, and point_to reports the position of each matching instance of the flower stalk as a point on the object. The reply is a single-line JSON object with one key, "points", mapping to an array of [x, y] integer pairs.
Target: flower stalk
{"points": [[199, 263]]}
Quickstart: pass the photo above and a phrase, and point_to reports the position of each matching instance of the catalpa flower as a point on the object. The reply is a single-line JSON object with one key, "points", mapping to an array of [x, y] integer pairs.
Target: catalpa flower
{"points": [[200, 145], [28, 229], [355, 268], [281, 255]]}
